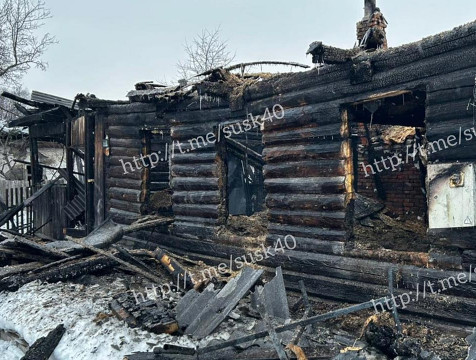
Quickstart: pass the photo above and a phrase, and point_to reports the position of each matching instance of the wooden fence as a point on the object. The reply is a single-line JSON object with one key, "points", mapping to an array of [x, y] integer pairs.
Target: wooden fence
{"points": [[12, 193], [43, 216]]}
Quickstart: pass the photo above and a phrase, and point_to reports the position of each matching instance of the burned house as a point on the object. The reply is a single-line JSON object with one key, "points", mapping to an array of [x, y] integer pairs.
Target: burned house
{"points": [[311, 170], [366, 160]]}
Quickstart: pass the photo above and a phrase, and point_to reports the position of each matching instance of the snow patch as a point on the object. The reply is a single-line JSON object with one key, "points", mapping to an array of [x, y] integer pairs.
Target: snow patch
{"points": [[8, 351], [36, 309]]}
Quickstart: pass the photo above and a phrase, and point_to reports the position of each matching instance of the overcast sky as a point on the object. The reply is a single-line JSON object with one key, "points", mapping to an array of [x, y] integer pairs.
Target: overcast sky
{"points": [[106, 46]]}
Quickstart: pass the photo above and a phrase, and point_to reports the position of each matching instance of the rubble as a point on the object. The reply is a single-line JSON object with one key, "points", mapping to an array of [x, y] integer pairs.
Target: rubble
{"points": [[248, 311], [154, 316], [472, 345]]}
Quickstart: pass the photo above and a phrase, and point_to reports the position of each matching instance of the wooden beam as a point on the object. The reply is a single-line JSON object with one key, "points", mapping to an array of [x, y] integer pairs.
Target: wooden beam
{"points": [[129, 266], [66, 271], [99, 179], [44, 347], [25, 101], [89, 171], [40, 117], [35, 170], [384, 95], [53, 253]]}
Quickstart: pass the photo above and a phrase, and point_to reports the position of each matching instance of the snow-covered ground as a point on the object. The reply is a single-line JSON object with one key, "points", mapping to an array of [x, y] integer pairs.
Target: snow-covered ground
{"points": [[35, 309], [8, 351]]}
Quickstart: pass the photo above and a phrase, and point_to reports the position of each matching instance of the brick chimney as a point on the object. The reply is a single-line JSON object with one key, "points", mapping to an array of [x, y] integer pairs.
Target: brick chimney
{"points": [[373, 18]]}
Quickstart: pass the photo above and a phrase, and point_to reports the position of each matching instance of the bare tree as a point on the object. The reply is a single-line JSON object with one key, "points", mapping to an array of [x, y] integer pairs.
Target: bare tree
{"points": [[21, 47], [13, 142], [206, 51]]}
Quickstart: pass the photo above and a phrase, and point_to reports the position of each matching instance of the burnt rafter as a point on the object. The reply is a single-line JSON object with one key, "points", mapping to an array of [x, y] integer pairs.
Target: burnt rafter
{"points": [[41, 112], [36, 104], [51, 115]]}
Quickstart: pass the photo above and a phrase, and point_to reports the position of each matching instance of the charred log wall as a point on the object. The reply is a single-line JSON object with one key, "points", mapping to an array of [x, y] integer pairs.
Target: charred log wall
{"points": [[305, 177], [126, 186], [197, 173]]}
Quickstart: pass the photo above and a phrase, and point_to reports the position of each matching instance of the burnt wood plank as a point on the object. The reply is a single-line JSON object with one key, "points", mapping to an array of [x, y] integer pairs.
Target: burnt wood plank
{"points": [[42, 348]]}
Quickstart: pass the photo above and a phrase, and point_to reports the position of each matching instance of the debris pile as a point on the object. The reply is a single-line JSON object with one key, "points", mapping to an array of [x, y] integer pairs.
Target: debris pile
{"points": [[240, 315]]}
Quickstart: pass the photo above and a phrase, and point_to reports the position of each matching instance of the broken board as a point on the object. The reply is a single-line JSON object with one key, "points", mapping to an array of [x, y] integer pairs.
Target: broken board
{"points": [[223, 303]]}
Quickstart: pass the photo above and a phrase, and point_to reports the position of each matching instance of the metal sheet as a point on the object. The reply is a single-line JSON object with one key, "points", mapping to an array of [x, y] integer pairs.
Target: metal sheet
{"points": [[451, 196], [223, 303], [51, 99]]}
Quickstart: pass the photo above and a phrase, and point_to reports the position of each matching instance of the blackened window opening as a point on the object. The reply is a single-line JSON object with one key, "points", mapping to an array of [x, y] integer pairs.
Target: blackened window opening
{"points": [[245, 182], [156, 150]]}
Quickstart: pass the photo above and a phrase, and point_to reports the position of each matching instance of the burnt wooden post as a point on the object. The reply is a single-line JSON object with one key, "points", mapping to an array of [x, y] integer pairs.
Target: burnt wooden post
{"points": [[89, 171], [69, 167], [69, 161], [99, 181], [394, 310], [35, 169]]}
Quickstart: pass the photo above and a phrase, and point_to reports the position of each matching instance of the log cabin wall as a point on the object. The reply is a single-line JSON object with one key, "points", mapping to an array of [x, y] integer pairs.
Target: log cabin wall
{"points": [[308, 172], [137, 128], [127, 127], [305, 177], [196, 170]]}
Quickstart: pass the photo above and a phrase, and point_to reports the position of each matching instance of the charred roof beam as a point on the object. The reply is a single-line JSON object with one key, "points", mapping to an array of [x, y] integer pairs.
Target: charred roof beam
{"points": [[52, 115], [36, 104]]}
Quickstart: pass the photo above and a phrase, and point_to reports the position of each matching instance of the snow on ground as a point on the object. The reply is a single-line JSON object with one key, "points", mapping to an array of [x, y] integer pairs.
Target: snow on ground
{"points": [[35, 309], [8, 351]]}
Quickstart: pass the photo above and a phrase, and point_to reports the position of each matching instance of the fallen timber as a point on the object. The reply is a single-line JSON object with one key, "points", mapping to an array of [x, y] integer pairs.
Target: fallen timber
{"points": [[66, 271], [109, 232], [51, 264], [120, 261], [53, 253], [307, 312], [44, 347]]}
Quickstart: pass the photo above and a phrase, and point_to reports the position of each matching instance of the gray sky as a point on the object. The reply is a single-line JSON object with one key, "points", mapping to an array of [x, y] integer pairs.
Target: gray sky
{"points": [[106, 46]]}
